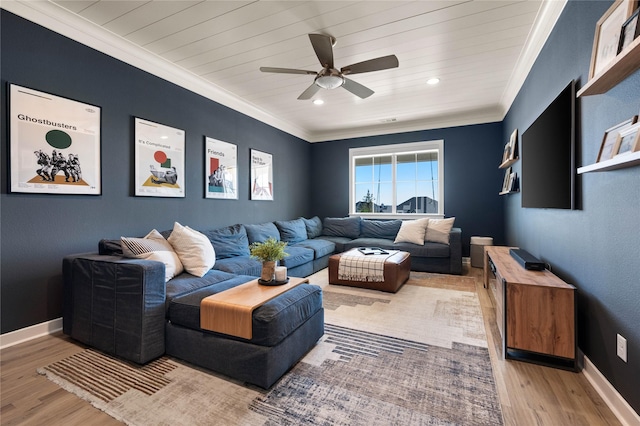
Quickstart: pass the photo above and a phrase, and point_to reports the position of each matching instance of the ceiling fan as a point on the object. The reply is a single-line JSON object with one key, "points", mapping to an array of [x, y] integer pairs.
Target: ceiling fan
{"points": [[329, 77]]}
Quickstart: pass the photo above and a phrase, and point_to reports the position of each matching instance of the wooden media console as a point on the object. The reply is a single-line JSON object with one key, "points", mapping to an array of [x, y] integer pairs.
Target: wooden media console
{"points": [[535, 311]]}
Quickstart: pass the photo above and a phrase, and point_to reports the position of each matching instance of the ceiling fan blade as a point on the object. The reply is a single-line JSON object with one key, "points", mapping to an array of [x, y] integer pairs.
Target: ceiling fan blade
{"points": [[357, 88], [323, 45], [308, 94], [377, 64], [286, 71]]}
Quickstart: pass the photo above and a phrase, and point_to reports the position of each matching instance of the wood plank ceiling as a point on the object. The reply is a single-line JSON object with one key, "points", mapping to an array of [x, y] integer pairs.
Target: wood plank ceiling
{"points": [[473, 47]]}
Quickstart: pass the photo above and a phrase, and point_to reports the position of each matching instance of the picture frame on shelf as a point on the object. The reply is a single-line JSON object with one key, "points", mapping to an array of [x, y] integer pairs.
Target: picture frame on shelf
{"points": [[261, 176], [607, 35], [630, 30], [221, 169], [54, 144], [628, 140], [610, 139], [506, 181], [513, 145], [507, 153], [159, 160]]}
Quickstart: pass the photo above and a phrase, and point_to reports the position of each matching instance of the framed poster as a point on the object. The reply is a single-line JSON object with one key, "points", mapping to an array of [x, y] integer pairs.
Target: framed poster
{"points": [[54, 144], [220, 169], [261, 176], [159, 163]]}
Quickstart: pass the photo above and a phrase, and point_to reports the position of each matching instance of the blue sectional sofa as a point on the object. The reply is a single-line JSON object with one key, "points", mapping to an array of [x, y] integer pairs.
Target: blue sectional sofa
{"points": [[125, 307]]}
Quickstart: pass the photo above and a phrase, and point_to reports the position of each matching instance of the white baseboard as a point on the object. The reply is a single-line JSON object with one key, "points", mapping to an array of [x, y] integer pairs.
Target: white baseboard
{"points": [[28, 333], [621, 408]]}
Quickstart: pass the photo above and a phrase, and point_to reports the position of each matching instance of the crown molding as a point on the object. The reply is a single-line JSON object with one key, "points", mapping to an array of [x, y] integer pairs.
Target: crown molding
{"points": [[61, 21], [544, 23]]}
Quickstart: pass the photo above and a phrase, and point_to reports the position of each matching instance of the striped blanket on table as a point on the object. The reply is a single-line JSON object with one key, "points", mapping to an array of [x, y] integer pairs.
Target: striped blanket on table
{"points": [[355, 266]]}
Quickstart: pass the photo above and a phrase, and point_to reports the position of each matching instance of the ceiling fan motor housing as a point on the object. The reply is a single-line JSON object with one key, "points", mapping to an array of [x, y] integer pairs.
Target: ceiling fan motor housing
{"points": [[329, 79]]}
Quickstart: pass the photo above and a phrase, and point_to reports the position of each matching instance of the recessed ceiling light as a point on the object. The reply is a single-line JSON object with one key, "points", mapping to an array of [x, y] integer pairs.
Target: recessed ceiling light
{"points": [[318, 101], [433, 81]]}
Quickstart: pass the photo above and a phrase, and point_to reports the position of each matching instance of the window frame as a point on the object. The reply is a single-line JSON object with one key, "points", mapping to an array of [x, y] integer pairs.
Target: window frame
{"points": [[394, 150]]}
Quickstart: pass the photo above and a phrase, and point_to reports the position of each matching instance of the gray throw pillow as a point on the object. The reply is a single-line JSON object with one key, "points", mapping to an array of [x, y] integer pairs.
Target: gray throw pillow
{"points": [[230, 241], [387, 229], [314, 226], [348, 227], [262, 232], [292, 231]]}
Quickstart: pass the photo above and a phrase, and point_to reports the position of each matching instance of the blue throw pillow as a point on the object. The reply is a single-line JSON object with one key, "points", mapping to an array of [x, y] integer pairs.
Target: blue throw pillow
{"points": [[341, 227], [230, 241], [292, 231], [262, 232], [387, 229], [314, 226]]}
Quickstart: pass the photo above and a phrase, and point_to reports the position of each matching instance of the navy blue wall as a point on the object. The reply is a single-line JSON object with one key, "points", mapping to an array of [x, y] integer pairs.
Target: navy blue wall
{"points": [[38, 230], [472, 178], [594, 248]]}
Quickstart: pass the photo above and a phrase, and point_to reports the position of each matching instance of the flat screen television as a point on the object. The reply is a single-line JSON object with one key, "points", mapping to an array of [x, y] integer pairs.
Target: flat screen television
{"points": [[548, 156]]}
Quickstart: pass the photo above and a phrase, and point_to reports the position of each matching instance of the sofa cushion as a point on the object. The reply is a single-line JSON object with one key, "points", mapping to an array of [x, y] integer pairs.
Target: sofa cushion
{"points": [[438, 230], [314, 227], [186, 283], [297, 256], [319, 246], [229, 241], [262, 232], [193, 248], [348, 227], [292, 231], [412, 231], [339, 242], [153, 247], [380, 228], [110, 247], [271, 322], [241, 265]]}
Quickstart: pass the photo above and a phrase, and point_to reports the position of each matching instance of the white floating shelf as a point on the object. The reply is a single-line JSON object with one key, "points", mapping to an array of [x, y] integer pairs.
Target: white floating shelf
{"points": [[619, 162]]}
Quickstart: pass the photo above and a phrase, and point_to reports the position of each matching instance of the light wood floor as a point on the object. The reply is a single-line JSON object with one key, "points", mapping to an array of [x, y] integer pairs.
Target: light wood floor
{"points": [[529, 394]]}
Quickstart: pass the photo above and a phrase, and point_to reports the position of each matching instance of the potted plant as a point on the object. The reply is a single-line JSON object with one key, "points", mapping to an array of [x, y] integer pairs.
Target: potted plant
{"points": [[269, 252]]}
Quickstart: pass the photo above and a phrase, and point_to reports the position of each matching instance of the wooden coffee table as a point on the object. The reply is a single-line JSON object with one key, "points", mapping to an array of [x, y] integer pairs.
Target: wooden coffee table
{"points": [[396, 272], [230, 312]]}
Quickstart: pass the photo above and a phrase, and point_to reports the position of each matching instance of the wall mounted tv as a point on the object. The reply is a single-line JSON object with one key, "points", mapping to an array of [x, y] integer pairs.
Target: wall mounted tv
{"points": [[548, 155]]}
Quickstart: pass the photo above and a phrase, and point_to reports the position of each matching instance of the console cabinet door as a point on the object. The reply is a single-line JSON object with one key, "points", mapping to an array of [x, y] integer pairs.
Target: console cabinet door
{"points": [[541, 319]]}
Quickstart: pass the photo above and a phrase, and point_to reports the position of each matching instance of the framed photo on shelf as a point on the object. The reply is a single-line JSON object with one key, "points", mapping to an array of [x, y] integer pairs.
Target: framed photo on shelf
{"points": [[261, 176], [159, 160], [507, 153], [506, 181], [221, 169], [54, 144], [513, 145], [628, 140], [630, 30], [611, 138], [607, 35]]}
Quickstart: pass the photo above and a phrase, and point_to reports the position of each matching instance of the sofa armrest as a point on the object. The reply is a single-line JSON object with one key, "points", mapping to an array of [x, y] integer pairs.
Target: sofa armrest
{"points": [[115, 304], [455, 250]]}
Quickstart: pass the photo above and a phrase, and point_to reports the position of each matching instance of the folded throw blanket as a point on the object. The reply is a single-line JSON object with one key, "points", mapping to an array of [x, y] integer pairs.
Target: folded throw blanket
{"points": [[355, 266]]}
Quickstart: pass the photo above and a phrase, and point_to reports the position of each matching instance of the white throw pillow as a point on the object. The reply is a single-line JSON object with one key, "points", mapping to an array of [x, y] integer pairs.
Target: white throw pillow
{"points": [[193, 248], [412, 231], [438, 230], [153, 247]]}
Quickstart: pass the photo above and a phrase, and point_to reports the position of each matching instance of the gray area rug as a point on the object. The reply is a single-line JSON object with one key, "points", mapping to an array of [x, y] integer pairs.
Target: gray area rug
{"points": [[354, 376]]}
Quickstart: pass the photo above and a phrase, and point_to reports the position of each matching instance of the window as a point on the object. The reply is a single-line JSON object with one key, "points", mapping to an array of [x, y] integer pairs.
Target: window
{"points": [[403, 179]]}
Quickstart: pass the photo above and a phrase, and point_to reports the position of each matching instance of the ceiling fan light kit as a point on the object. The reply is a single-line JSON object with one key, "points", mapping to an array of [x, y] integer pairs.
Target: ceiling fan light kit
{"points": [[331, 78]]}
